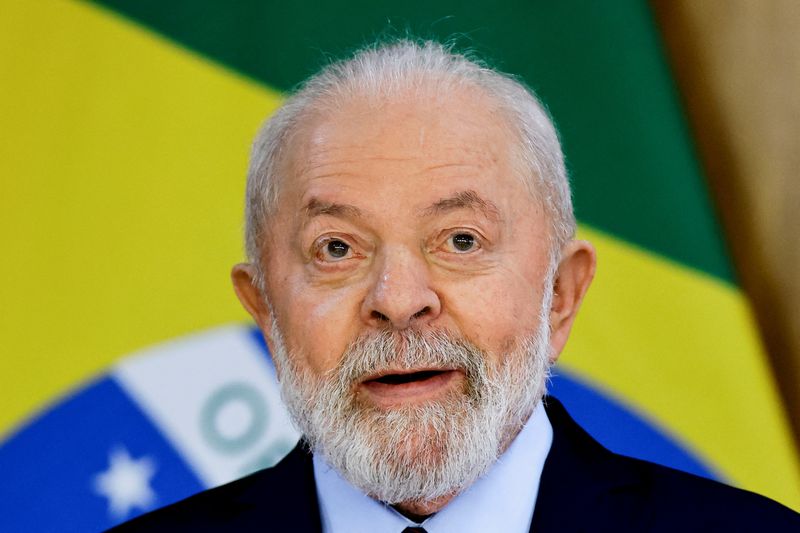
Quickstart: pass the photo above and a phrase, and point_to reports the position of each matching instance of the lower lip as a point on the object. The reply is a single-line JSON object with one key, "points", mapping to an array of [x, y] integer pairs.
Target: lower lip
{"points": [[385, 395]]}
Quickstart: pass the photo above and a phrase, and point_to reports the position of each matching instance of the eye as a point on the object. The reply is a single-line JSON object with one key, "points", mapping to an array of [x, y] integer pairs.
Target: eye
{"points": [[334, 250], [463, 242]]}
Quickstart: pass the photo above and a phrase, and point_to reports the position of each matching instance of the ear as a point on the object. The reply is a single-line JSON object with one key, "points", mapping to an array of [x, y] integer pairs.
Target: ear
{"points": [[574, 275], [243, 276]]}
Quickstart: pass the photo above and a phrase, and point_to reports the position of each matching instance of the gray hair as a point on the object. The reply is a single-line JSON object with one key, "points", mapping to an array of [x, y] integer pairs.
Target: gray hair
{"points": [[383, 69]]}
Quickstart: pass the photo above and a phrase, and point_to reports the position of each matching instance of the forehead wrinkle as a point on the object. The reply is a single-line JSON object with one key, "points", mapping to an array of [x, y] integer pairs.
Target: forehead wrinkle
{"points": [[316, 165], [334, 168], [449, 165], [468, 199]]}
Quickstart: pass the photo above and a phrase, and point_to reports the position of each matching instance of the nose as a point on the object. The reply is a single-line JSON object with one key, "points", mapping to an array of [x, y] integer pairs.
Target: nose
{"points": [[401, 294]]}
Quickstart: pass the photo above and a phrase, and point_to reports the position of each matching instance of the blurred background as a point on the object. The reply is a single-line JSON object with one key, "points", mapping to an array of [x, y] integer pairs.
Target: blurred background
{"points": [[130, 375], [737, 64]]}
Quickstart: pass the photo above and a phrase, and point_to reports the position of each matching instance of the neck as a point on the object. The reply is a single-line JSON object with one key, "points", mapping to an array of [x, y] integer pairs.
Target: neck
{"points": [[418, 511]]}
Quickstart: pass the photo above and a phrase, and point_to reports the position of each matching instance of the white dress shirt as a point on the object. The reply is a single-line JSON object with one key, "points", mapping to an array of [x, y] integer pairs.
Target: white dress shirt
{"points": [[502, 500]]}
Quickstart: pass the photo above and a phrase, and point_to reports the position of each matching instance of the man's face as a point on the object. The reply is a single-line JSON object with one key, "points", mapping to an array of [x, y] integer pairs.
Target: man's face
{"points": [[410, 292], [406, 215]]}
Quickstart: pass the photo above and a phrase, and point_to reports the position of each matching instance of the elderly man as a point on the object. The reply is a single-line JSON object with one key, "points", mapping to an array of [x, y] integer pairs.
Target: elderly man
{"points": [[414, 271]]}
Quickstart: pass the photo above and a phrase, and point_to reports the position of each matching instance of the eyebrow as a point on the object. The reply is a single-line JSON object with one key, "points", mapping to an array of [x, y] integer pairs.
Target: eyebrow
{"points": [[316, 207], [463, 200]]}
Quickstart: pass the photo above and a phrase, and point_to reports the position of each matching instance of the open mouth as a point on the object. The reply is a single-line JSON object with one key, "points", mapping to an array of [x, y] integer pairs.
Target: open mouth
{"points": [[403, 387], [399, 379]]}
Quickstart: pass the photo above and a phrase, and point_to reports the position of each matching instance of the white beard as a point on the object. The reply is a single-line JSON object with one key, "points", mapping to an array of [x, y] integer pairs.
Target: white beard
{"points": [[421, 452]]}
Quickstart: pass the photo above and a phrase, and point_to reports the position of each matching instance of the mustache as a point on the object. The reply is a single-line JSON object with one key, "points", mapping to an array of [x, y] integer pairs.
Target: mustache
{"points": [[384, 351]]}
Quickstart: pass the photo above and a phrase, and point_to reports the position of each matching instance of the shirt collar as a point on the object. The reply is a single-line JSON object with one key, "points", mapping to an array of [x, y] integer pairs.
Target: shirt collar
{"points": [[484, 506]]}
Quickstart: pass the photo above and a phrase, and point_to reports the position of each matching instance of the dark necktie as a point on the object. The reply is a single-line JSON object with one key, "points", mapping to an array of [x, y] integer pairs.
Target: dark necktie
{"points": [[414, 530]]}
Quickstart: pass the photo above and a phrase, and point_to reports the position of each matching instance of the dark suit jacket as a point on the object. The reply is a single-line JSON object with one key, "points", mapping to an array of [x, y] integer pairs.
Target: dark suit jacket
{"points": [[584, 487]]}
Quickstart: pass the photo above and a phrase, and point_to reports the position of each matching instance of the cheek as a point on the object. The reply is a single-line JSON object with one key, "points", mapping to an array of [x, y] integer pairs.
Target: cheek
{"points": [[494, 311], [317, 325]]}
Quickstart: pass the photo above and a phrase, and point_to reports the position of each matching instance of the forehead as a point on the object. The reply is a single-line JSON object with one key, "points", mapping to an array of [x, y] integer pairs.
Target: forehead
{"points": [[402, 146]]}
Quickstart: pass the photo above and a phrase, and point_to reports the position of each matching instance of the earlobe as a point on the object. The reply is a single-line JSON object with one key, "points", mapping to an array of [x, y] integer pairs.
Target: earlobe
{"points": [[243, 276], [575, 273]]}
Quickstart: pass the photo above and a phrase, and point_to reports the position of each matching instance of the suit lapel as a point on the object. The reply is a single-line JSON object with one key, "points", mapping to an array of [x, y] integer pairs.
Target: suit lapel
{"points": [[284, 498], [583, 486]]}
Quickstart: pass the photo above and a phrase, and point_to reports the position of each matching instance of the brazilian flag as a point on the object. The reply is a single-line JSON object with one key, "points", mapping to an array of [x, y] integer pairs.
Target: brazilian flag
{"points": [[131, 377]]}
